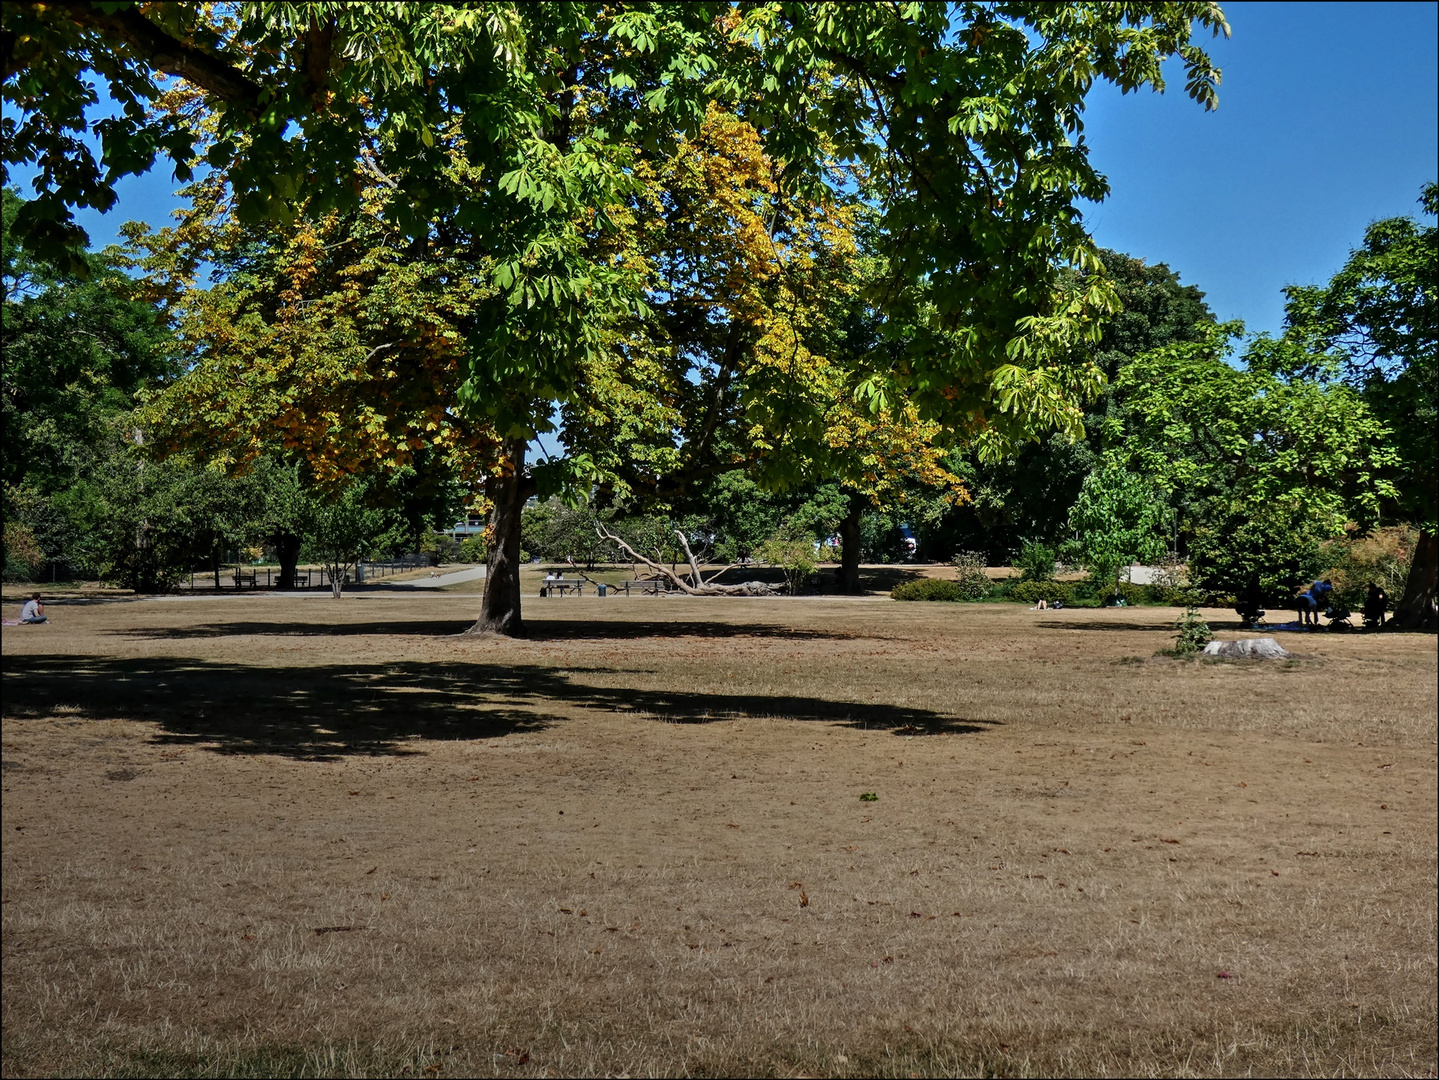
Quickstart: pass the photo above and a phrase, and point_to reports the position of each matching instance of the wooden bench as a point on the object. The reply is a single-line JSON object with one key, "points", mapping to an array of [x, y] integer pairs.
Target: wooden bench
{"points": [[650, 587], [563, 585]]}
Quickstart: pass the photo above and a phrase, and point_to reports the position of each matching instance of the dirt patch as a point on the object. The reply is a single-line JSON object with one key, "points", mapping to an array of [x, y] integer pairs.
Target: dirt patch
{"points": [[348, 840]]}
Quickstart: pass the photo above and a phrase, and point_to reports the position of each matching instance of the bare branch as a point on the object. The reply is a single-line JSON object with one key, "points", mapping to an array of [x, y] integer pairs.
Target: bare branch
{"points": [[689, 555], [706, 588], [635, 556]]}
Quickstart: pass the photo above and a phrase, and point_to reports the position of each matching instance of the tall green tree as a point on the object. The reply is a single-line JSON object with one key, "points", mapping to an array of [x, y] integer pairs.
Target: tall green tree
{"points": [[1117, 520], [74, 353], [1260, 463], [1026, 494], [1379, 319], [962, 123]]}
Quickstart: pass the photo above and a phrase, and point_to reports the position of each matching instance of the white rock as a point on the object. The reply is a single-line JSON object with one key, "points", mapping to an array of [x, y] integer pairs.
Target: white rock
{"points": [[1260, 648]]}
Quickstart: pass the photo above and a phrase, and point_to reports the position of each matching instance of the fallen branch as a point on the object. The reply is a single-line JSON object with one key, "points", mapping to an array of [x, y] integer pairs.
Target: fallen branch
{"points": [[703, 588]]}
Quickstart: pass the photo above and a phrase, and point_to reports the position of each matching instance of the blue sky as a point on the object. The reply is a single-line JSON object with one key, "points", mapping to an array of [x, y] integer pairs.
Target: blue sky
{"points": [[1327, 121]]}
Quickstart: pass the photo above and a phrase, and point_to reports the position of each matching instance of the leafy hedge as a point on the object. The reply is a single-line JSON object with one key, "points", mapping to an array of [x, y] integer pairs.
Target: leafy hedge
{"points": [[927, 589], [1086, 593]]}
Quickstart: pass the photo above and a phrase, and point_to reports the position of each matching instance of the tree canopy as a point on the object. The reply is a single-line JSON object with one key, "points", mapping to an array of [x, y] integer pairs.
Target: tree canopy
{"points": [[497, 149], [1378, 322]]}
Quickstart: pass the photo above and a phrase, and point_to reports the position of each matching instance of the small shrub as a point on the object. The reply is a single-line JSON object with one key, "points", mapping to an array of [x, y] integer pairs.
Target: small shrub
{"points": [[793, 553], [1036, 562], [23, 557], [472, 549], [970, 578], [927, 589], [1194, 632], [1173, 596], [1383, 557]]}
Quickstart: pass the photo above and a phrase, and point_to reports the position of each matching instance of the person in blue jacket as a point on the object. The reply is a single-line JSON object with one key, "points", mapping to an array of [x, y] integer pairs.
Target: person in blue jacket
{"points": [[1311, 603]]}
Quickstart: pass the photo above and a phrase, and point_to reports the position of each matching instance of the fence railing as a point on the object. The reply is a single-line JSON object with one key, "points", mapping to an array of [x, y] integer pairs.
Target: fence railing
{"points": [[232, 576]]}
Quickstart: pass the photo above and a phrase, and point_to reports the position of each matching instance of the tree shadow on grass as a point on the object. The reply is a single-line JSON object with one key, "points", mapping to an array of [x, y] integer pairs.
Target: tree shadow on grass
{"points": [[325, 713], [535, 629]]}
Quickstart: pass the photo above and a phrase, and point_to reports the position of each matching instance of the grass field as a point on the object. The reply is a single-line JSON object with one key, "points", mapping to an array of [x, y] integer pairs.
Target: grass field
{"points": [[255, 836]]}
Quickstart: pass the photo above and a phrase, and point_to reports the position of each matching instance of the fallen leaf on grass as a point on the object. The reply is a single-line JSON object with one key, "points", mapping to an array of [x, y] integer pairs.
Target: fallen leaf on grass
{"points": [[1223, 975], [803, 898], [869, 796]]}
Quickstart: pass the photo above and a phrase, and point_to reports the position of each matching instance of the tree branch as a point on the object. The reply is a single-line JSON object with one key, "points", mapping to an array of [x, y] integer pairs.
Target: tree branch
{"points": [[705, 588], [169, 54]]}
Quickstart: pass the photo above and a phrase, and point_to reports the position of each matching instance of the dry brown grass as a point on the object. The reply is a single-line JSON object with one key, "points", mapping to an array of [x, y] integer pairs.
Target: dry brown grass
{"points": [[635, 843]]}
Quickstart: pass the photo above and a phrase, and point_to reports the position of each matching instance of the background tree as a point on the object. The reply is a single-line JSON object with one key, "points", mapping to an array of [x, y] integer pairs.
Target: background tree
{"points": [[957, 117], [1025, 495], [74, 352], [1259, 464], [346, 526], [1380, 316], [1116, 519]]}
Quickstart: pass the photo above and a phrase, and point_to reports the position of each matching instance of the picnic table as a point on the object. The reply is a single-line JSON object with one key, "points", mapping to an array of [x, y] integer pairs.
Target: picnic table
{"points": [[549, 586]]}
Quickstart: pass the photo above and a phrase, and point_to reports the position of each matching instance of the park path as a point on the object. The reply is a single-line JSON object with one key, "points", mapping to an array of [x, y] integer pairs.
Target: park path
{"points": [[455, 577]]}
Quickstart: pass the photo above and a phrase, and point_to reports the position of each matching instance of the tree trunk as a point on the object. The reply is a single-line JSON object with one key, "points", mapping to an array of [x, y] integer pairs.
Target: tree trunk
{"points": [[1416, 611], [507, 489], [849, 547], [287, 549]]}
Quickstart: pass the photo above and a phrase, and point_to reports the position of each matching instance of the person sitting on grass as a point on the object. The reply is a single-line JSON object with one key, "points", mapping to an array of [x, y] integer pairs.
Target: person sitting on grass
{"points": [[33, 611], [1248, 605]]}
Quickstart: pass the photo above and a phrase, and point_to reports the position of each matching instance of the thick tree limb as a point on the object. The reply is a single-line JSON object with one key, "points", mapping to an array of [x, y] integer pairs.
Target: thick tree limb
{"points": [[705, 588], [169, 54]]}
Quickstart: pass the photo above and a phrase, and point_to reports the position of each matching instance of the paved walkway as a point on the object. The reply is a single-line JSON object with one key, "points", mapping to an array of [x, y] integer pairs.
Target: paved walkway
{"points": [[454, 577]]}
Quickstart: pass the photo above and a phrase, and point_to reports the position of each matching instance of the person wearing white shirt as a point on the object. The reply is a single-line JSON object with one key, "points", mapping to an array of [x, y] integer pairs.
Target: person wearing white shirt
{"points": [[33, 611]]}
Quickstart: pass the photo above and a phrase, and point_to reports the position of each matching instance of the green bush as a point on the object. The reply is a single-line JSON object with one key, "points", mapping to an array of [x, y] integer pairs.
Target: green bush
{"points": [[439, 548], [23, 557], [1031, 592], [1383, 557], [971, 580], [927, 589], [1036, 562], [472, 549]]}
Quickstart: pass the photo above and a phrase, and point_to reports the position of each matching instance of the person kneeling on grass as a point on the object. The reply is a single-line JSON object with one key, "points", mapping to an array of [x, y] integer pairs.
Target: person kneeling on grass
{"points": [[1311, 603], [33, 611]]}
